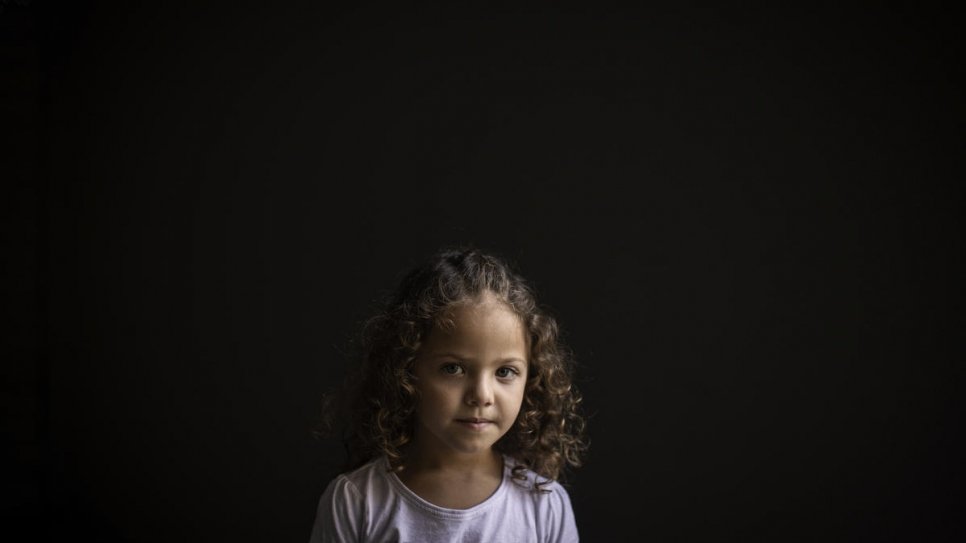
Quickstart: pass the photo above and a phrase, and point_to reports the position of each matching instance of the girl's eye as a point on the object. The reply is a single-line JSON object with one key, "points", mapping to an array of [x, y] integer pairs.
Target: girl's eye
{"points": [[505, 373], [452, 369]]}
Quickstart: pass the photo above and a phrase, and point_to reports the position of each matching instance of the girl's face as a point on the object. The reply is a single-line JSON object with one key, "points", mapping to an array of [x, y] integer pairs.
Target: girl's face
{"points": [[471, 380]]}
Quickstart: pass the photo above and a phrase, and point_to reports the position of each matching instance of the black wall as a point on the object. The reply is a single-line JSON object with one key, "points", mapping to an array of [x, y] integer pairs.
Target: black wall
{"points": [[744, 220]]}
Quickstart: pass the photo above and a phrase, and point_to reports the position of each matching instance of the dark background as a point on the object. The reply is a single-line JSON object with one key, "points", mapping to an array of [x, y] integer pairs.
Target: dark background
{"points": [[744, 219]]}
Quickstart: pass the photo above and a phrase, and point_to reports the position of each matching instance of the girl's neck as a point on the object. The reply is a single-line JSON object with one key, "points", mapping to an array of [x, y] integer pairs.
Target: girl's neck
{"points": [[418, 460], [453, 482]]}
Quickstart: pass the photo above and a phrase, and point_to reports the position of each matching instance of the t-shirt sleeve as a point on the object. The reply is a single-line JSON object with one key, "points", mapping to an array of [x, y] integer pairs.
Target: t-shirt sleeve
{"points": [[562, 525], [340, 515]]}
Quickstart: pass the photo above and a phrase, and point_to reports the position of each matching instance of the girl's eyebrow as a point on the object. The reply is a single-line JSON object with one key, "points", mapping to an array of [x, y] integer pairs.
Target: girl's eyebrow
{"points": [[506, 360]]}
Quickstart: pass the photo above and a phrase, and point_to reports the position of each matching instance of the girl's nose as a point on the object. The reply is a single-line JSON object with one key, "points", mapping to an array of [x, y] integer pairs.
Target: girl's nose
{"points": [[480, 393]]}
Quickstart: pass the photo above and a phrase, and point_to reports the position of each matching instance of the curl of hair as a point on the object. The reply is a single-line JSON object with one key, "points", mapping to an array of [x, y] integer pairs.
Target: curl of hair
{"points": [[374, 409]]}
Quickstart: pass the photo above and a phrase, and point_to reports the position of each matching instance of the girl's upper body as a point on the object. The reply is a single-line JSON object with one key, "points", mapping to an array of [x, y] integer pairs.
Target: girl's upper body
{"points": [[372, 504], [461, 416]]}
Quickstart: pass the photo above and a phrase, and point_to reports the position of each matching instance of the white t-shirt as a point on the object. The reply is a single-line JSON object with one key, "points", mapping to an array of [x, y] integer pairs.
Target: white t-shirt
{"points": [[373, 505]]}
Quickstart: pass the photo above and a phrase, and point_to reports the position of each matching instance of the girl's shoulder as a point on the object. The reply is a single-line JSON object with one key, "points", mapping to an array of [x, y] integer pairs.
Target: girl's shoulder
{"points": [[344, 507], [526, 479], [371, 473], [548, 499]]}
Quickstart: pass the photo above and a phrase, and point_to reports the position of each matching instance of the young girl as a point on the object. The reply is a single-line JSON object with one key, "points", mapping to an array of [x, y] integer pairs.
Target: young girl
{"points": [[460, 418]]}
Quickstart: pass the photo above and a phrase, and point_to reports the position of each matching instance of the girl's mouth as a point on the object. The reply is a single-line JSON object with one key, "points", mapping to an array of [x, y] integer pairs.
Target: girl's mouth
{"points": [[475, 424]]}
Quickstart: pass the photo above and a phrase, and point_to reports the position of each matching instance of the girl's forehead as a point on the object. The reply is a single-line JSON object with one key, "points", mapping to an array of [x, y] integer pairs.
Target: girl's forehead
{"points": [[472, 311], [476, 326]]}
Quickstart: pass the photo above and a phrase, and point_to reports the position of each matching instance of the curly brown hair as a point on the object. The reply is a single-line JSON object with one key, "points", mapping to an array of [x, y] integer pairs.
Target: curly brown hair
{"points": [[374, 409]]}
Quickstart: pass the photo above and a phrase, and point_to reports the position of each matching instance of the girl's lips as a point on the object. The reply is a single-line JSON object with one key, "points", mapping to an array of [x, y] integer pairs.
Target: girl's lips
{"points": [[475, 424]]}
